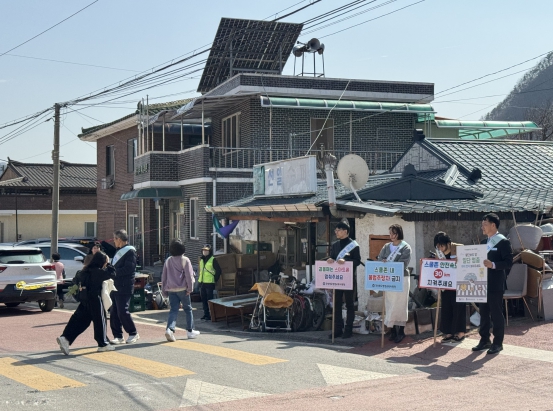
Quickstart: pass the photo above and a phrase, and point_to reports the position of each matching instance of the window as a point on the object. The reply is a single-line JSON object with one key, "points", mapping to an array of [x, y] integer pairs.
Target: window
{"points": [[110, 160], [193, 218], [131, 154], [230, 131], [90, 229], [20, 257], [68, 253], [134, 231], [323, 133]]}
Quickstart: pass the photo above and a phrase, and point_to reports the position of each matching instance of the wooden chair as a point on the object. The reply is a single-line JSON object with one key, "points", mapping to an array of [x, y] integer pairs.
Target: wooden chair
{"points": [[517, 287]]}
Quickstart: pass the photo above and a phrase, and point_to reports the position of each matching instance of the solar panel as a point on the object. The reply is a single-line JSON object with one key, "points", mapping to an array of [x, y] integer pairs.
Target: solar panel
{"points": [[248, 46]]}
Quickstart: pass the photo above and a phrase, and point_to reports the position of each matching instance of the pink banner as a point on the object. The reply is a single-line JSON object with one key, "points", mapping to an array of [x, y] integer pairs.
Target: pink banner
{"points": [[334, 276]]}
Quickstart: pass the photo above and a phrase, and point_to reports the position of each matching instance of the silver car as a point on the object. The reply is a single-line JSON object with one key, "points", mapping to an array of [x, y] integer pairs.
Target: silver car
{"points": [[26, 276], [72, 257]]}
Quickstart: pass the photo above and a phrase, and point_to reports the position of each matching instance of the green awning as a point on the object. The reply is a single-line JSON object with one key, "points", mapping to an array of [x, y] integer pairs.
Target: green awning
{"points": [[481, 130], [424, 111], [152, 193]]}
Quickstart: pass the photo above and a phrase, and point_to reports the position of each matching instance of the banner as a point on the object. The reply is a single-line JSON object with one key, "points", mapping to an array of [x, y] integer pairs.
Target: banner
{"points": [[381, 276], [438, 274], [472, 275], [334, 276]]}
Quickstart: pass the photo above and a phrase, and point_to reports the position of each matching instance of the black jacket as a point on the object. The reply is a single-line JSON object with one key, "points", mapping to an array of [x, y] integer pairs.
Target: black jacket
{"points": [[91, 279], [502, 256], [124, 273], [354, 255]]}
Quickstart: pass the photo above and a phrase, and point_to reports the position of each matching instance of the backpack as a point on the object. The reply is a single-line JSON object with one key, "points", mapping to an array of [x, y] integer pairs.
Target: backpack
{"points": [[80, 280]]}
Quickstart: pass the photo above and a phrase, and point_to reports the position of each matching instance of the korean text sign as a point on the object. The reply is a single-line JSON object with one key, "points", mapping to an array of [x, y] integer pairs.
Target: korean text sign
{"points": [[334, 276], [438, 274], [472, 275], [381, 276]]}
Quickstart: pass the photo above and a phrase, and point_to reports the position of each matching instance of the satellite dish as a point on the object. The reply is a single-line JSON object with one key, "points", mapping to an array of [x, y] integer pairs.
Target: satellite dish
{"points": [[353, 171]]}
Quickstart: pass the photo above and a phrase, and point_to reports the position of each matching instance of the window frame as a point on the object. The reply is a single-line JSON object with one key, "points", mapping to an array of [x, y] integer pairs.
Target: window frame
{"points": [[193, 217], [227, 138], [95, 228], [110, 160], [132, 148]]}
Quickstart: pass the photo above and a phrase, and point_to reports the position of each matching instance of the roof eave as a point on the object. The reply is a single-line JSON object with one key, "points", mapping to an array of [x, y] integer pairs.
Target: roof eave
{"points": [[112, 129]]}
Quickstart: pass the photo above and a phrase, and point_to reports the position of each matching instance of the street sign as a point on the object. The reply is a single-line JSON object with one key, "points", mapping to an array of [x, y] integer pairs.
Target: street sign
{"points": [[380, 276], [438, 274], [334, 276]]}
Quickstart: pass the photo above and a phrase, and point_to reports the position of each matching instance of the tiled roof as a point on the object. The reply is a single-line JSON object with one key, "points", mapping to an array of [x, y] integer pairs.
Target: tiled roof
{"points": [[152, 110], [35, 175]]}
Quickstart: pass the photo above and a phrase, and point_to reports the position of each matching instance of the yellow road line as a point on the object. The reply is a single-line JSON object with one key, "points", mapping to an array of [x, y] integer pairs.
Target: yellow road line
{"points": [[242, 356], [149, 367], [35, 377]]}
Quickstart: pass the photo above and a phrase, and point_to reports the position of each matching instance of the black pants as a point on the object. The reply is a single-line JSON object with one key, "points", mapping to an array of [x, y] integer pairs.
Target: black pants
{"points": [[60, 292], [120, 317], [454, 314], [341, 296], [492, 311], [206, 292], [91, 311]]}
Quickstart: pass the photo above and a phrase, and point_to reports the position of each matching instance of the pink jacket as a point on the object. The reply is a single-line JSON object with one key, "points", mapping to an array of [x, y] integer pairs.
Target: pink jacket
{"points": [[178, 275], [59, 271]]}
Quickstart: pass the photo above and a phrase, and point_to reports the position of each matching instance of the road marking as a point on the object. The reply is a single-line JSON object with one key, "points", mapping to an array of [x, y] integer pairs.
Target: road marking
{"points": [[511, 351], [242, 356], [144, 366], [35, 377], [339, 375], [201, 393]]}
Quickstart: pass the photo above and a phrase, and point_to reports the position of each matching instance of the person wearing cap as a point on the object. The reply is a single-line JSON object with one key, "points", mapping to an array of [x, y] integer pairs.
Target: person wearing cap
{"points": [[210, 271]]}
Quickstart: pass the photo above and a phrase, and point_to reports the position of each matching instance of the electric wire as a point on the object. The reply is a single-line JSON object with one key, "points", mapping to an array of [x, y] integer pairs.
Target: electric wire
{"points": [[70, 62]]}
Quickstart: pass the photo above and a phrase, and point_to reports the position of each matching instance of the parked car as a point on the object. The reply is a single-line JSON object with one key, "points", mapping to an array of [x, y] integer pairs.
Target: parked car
{"points": [[28, 265], [75, 239], [72, 256]]}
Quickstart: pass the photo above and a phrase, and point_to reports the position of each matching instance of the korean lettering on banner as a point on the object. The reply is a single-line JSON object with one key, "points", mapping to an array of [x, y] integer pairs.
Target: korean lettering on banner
{"points": [[334, 276], [472, 275], [438, 274], [381, 276]]}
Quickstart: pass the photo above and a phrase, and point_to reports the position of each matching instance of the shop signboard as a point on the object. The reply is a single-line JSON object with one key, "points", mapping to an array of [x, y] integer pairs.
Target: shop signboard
{"points": [[334, 276], [438, 274], [287, 177], [472, 275], [380, 276]]}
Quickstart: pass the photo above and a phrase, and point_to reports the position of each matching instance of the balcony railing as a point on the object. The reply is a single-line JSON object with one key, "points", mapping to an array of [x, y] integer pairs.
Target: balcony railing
{"points": [[221, 157]]}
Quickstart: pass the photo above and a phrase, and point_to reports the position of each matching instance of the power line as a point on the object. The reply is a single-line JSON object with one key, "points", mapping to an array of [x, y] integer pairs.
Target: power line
{"points": [[70, 62], [48, 29]]}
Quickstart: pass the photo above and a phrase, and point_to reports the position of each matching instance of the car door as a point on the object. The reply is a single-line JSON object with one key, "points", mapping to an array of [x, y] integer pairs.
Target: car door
{"points": [[68, 255]]}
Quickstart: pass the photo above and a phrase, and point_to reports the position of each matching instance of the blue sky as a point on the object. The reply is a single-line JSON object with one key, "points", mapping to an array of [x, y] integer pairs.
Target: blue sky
{"points": [[446, 42]]}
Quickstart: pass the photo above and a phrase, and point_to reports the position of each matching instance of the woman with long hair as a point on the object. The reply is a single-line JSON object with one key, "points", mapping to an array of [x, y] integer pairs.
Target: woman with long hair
{"points": [[91, 307]]}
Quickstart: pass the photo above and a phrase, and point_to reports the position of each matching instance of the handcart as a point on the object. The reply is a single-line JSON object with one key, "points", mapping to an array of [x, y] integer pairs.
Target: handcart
{"points": [[272, 308]]}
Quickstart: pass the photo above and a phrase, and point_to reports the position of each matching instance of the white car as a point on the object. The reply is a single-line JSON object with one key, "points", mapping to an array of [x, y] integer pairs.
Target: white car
{"points": [[26, 276], [72, 257]]}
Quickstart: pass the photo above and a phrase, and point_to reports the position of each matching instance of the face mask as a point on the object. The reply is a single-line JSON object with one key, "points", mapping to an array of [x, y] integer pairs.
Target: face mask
{"points": [[206, 253]]}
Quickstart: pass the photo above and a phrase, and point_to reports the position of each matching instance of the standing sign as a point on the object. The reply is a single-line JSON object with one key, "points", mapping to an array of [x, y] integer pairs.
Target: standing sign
{"points": [[438, 274], [472, 275], [334, 276], [381, 276]]}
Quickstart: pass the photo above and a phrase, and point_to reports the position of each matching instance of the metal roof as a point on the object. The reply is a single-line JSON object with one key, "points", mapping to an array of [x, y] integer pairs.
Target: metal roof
{"points": [[248, 46], [37, 175], [152, 193], [479, 130]]}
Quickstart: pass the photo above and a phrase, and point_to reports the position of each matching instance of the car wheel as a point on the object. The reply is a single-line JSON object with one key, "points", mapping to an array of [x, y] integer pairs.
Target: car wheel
{"points": [[46, 305], [11, 304]]}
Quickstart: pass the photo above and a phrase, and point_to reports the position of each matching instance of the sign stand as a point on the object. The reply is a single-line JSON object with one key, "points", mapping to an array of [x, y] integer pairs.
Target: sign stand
{"points": [[333, 311], [383, 315], [437, 314]]}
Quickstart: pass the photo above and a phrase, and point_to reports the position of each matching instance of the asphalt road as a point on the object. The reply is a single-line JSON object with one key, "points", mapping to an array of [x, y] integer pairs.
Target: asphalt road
{"points": [[237, 371]]}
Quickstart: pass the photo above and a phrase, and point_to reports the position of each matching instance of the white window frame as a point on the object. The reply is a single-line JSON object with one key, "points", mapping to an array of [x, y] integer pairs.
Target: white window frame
{"points": [[193, 214], [95, 228], [133, 237], [228, 147]]}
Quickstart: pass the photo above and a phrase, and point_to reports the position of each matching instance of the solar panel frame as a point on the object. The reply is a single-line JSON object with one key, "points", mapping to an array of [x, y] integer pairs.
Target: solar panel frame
{"points": [[255, 46]]}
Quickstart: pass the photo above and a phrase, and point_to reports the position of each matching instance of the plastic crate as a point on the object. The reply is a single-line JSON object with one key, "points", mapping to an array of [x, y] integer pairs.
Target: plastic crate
{"points": [[138, 294], [136, 306]]}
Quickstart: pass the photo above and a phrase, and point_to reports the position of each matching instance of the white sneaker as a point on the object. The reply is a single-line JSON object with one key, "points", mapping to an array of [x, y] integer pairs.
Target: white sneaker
{"points": [[106, 348], [117, 341], [133, 338], [192, 334], [64, 344], [170, 335]]}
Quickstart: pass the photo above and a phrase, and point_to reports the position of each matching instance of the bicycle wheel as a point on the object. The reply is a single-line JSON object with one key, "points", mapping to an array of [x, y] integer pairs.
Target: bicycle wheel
{"points": [[307, 322], [319, 311], [297, 314]]}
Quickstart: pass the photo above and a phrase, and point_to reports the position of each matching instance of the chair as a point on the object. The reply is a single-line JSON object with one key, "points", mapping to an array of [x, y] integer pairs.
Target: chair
{"points": [[517, 286]]}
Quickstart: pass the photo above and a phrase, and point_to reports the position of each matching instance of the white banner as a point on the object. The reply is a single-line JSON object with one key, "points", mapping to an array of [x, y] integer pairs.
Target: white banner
{"points": [[472, 275]]}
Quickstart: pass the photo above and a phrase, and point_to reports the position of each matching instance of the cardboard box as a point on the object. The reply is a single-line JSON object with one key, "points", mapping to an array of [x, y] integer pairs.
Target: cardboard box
{"points": [[227, 262], [246, 261], [267, 259], [251, 247]]}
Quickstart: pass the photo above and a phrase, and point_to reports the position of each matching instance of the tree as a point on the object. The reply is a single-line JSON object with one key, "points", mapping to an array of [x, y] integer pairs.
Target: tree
{"points": [[542, 115]]}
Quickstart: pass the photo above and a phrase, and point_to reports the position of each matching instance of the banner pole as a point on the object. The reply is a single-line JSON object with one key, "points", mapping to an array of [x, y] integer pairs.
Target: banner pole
{"points": [[437, 314], [333, 311], [383, 315]]}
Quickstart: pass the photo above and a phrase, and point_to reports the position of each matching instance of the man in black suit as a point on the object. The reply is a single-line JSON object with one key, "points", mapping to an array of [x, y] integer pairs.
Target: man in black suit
{"points": [[500, 259]]}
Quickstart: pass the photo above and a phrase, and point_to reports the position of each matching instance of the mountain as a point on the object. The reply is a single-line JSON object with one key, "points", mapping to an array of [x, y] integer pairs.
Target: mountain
{"points": [[531, 95]]}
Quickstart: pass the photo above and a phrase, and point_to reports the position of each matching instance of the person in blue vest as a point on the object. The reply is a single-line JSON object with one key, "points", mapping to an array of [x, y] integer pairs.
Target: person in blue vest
{"points": [[124, 263], [500, 259], [210, 271], [345, 249]]}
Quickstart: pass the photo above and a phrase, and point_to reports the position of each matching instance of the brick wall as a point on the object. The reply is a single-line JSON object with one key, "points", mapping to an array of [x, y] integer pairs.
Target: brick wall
{"points": [[44, 202]]}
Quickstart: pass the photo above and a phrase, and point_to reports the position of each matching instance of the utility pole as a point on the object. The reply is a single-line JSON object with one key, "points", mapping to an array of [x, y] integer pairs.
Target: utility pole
{"points": [[56, 183]]}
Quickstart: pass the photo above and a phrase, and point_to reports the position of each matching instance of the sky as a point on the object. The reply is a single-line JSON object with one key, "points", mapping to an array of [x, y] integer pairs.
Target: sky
{"points": [[445, 42]]}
